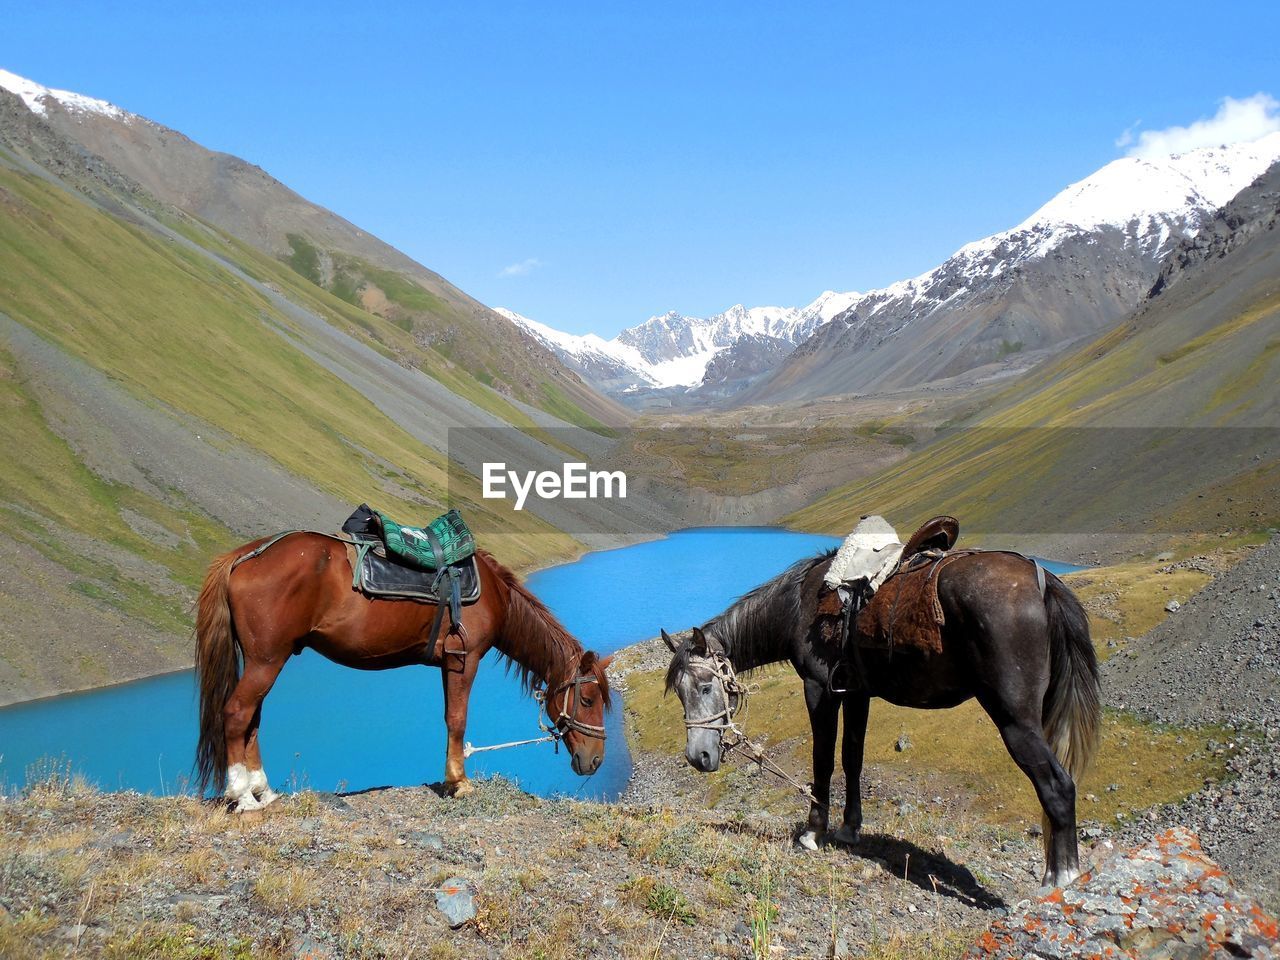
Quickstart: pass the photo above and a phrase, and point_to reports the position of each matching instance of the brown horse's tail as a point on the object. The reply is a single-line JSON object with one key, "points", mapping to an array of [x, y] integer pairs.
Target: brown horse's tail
{"points": [[217, 670], [1073, 703]]}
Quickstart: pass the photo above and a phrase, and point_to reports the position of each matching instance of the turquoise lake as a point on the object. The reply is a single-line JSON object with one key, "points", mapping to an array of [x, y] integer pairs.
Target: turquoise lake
{"points": [[331, 728]]}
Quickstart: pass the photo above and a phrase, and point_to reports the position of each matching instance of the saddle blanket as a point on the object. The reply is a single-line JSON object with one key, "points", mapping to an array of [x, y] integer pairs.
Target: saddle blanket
{"points": [[870, 553], [377, 576], [441, 543]]}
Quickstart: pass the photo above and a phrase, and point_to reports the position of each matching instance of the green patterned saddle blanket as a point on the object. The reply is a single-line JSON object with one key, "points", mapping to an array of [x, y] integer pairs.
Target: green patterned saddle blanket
{"points": [[443, 542]]}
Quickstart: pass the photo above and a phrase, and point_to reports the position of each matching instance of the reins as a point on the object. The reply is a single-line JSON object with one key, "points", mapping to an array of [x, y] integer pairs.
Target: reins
{"points": [[555, 731], [733, 736]]}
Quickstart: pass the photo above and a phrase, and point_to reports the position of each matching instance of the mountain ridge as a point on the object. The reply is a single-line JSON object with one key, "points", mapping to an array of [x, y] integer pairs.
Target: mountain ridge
{"points": [[242, 199], [1076, 264]]}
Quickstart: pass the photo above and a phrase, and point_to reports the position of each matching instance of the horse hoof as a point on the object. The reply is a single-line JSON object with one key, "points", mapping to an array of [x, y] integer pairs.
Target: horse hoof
{"points": [[267, 797], [1062, 878], [808, 840], [247, 804], [460, 789], [846, 835]]}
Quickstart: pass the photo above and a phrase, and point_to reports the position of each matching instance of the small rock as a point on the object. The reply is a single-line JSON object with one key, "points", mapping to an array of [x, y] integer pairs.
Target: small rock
{"points": [[1173, 606], [425, 840], [308, 949], [455, 900], [902, 744]]}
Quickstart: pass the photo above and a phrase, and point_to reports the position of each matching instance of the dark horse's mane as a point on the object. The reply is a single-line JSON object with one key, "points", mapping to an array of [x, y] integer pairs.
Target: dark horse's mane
{"points": [[534, 643], [757, 629]]}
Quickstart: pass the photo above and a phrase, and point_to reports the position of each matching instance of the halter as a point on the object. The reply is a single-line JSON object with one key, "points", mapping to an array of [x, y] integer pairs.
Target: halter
{"points": [[568, 720], [735, 697], [554, 731], [732, 735]]}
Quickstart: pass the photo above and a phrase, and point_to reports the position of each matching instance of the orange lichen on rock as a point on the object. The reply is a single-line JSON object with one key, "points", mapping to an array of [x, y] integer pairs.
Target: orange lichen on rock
{"points": [[1164, 899]]}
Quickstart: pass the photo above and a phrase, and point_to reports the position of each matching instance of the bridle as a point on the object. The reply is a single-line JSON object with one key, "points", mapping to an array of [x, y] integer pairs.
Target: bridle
{"points": [[568, 719], [735, 697], [731, 735]]}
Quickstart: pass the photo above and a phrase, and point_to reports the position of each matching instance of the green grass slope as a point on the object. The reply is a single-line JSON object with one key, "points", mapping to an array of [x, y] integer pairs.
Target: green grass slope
{"points": [[115, 563], [263, 214], [1165, 425]]}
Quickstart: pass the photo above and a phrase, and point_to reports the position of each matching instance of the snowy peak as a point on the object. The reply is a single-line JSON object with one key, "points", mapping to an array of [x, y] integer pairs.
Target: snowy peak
{"points": [[674, 350], [607, 362], [674, 336], [1136, 189], [37, 98]]}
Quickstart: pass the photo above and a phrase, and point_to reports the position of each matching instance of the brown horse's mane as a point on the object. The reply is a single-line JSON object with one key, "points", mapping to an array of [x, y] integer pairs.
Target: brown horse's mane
{"points": [[534, 642]]}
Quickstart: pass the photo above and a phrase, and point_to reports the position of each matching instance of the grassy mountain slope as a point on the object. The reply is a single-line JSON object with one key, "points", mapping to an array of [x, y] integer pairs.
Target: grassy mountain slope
{"points": [[1165, 425], [247, 203], [117, 549]]}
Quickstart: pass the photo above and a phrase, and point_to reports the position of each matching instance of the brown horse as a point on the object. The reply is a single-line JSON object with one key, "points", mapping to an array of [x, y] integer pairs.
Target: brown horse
{"points": [[298, 594]]}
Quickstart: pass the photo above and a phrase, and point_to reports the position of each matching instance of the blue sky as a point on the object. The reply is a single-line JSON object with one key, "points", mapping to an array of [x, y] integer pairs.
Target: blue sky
{"points": [[592, 164]]}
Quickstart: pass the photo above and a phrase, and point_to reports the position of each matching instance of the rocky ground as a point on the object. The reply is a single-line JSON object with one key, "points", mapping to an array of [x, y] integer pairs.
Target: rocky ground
{"points": [[366, 875], [1165, 899], [1216, 660]]}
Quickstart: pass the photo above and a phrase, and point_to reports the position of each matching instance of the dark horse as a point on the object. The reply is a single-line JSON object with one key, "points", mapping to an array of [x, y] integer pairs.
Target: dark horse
{"points": [[1026, 657], [298, 594]]}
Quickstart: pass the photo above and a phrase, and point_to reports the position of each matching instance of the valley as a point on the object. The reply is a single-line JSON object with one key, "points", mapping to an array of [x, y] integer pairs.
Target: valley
{"points": [[193, 355]]}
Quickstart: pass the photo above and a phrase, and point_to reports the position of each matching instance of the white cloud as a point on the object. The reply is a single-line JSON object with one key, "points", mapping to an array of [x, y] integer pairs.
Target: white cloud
{"points": [[521, 269], [1237, 121]]}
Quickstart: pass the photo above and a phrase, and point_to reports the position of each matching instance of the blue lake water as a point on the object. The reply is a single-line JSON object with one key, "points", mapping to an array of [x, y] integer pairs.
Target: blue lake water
{"points": [[328, 727]]}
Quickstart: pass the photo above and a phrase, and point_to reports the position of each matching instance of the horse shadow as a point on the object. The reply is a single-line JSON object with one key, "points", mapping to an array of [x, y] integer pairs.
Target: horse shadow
{"points": [[901, 859], [926, 869]]}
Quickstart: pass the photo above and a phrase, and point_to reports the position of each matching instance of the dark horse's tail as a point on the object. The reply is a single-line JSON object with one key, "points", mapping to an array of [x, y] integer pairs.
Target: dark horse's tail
{"points": [[1073, 703], [217, 669]]}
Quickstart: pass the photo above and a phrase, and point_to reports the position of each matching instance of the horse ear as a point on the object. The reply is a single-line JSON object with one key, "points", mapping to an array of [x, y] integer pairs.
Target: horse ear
{"points": [[604, 664], [699, 640], [671, 644]]}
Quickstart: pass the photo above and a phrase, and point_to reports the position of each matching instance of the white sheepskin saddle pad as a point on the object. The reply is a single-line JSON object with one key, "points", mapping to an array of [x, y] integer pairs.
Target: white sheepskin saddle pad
{"points": [[869, 553]]}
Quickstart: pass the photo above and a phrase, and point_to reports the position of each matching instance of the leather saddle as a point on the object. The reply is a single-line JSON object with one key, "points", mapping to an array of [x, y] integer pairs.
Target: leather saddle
{"points": [[938, 534], [384, 569], [905, 611]]}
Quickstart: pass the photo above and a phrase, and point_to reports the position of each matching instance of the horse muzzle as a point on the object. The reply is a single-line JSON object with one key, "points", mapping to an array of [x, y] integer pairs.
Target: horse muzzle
{"points": [[585, 766], [704, 761]]}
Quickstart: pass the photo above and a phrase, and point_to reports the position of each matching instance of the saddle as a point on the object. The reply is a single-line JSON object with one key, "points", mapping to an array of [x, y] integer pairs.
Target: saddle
{"points": [[435, 564], [940, 533], [904, 610]]}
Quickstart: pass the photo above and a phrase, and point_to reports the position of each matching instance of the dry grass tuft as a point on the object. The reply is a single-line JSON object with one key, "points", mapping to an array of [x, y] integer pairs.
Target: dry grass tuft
{"points": [[287, 891]]}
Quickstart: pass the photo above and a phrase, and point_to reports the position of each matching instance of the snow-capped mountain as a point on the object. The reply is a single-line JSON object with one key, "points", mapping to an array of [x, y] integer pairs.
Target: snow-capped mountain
{"points": [[674, 350], [1073, 267], [612, 366], [36, 95]]}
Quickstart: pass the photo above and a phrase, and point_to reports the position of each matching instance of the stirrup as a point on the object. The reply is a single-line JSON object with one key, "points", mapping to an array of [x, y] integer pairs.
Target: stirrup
{"points": [[831, 679]]}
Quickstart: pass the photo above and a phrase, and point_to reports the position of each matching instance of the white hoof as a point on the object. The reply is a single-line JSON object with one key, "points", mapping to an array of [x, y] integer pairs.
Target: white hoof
{"points": [[247, 804], [259, 787], [808, 840], [1062, 878], [846, 835], [267, 797]]}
